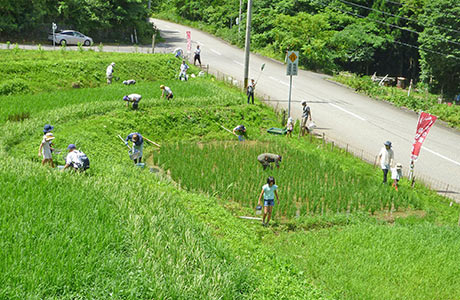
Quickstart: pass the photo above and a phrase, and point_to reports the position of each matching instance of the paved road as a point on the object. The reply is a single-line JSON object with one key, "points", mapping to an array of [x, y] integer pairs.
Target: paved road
{"points": [[340, 112]]}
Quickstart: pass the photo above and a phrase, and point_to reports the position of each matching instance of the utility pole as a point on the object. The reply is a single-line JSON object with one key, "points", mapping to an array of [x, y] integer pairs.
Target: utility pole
{"points": [[247, 44]]}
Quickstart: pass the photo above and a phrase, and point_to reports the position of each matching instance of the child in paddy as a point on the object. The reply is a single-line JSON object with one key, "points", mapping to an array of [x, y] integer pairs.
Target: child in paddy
{"points": [[268, 192]]}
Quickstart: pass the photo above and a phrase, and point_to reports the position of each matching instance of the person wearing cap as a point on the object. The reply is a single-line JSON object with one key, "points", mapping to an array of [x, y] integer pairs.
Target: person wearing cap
{"points": [[134, 99], [250, 90], [76, 159], [45, 148], [289, 127], [385, 159], [138, 145], [183, 71], [166, 91], [396, 175], [109, 73], [266, 158], [240, 132], [306, 115]]}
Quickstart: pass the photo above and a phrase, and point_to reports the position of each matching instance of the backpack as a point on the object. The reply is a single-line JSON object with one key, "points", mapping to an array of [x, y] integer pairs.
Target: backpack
{"points": [[83, 163]]}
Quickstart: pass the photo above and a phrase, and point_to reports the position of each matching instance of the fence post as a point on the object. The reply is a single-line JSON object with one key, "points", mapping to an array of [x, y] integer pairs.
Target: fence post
{"points": [[332, 146], [207, 69], [324, 139]]}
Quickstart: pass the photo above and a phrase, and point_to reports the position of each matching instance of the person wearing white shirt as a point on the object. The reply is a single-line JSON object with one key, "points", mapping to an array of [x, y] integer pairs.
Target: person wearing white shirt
{"points": [[76, 159], [183, 71], [109, 73], [134, 99], [385, 158], [197, 55], [166, 91], [45, 148]]}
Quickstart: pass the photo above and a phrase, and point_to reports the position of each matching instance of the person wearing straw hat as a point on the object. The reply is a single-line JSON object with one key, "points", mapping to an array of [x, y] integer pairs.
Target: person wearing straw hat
{"points": [[76, 159], [138, 145], [45, 148], [109, 73], [385, 159], [396, 175], [166, 91], [134, 99]]}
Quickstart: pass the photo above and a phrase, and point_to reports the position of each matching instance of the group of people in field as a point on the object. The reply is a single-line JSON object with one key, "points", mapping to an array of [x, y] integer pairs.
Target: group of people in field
{"points": [[78, 161]]}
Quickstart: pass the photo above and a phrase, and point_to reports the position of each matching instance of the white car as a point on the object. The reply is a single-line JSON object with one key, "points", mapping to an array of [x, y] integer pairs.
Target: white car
{"points": [[71, 37]]}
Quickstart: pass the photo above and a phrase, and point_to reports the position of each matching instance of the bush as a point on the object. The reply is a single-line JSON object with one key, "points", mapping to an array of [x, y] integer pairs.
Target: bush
{"points": [[14, 86]]}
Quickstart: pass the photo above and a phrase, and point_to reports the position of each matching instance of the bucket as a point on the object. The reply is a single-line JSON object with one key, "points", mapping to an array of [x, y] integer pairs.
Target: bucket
{"points": [[258, 210], [140, 165]]}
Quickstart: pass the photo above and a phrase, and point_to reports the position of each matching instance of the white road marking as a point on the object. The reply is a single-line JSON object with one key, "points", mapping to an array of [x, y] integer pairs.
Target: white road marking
{"points": [[218, 53], [348, 112], [280, 81], [441, 156], [238, 63]]}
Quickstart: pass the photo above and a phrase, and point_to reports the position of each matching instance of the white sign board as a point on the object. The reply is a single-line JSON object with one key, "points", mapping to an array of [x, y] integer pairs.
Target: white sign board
{"points": [[292, 63]]}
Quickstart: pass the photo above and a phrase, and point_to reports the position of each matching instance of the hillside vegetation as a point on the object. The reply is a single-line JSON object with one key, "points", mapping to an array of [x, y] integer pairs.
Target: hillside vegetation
{"points": [[171, 230]]}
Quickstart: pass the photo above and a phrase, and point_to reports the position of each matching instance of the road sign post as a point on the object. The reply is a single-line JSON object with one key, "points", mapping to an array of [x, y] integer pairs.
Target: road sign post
{"points": [[292, 68], [54, 27]]}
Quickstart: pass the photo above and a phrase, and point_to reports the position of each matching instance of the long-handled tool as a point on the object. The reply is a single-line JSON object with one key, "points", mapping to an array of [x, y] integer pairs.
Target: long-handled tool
{"points": [[133, 153], [158, 145], [227, 129], [261, 69]]}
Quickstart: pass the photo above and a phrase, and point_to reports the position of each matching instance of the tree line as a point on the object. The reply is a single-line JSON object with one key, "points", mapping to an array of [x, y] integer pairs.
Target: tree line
{"points": [[416, 39], [104, 20]]}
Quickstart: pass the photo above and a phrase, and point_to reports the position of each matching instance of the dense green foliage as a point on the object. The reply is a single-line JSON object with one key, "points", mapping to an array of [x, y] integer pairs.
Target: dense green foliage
{"points": [[359, 36], [121, 232], [417, 100], [22, 71], [100, 19]]}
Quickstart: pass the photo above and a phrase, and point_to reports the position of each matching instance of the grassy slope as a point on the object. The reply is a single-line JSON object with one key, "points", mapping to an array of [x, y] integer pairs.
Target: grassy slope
{"points": [[119, 232]]}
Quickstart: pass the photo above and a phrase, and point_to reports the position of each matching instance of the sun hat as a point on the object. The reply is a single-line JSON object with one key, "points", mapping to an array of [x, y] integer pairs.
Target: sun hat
{"points": [[49, 136], [71, 146], [113, 64], [125, 98], [162, 86], [387, 143], [47, 128]]}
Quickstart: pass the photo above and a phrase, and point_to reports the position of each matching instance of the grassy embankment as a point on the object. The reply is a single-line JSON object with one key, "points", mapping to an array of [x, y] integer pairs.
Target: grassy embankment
{"points": [[121, 232]]}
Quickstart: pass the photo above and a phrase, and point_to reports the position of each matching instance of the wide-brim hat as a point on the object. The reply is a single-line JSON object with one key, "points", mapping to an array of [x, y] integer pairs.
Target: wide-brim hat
{"points": [[47, 128], [387, 143], [49, 137]]}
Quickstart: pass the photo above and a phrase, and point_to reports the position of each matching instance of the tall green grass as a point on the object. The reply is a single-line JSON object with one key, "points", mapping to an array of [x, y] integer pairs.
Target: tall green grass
{"points": [[307, 183]]}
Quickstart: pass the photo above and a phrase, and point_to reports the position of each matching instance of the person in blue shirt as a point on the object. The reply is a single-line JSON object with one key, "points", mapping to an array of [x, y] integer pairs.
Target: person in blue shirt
{"points": [[138, 145], [269, 191]]}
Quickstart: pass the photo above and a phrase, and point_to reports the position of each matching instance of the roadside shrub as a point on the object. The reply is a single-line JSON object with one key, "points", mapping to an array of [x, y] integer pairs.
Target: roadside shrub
{"points": [[14, 86]]}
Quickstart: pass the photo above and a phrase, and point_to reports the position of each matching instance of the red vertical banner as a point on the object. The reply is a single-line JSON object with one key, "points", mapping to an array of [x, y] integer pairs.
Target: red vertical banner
{"points": [[425, 122], [189, 40]]}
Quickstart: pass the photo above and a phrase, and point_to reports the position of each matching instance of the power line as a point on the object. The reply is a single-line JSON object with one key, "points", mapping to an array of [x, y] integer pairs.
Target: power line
{"points": [[423, 49], [404, 44], [387, 13], [384, 23], [401, 4]]}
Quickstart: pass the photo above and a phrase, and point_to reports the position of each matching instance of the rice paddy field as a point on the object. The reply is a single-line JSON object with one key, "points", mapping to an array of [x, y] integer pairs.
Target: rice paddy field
{"points": [[171, 230]]}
